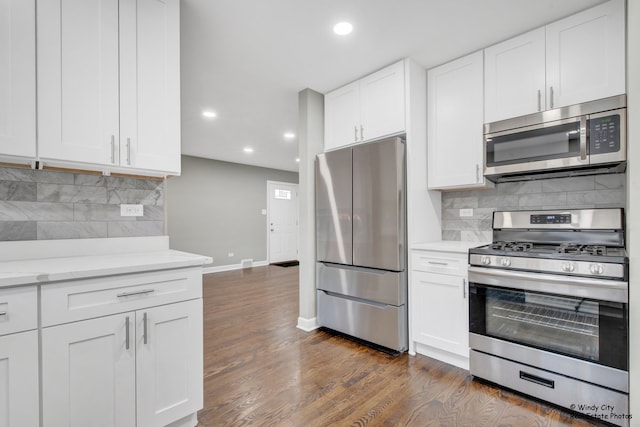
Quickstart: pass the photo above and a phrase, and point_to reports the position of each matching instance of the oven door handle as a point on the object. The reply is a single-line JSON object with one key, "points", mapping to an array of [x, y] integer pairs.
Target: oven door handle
{"points": [[558, 284]]}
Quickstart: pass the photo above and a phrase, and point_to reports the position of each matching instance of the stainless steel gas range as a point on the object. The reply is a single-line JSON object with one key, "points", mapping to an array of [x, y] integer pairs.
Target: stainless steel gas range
{"points": [[548, 309]]}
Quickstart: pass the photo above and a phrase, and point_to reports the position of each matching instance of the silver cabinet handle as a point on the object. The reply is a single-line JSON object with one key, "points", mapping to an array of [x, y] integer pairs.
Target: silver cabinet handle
{"points": [[438, 263], [355, 133], [130, 294], [129, 151], [144, 328], [3, 313], [113, 148], [477, 172], [361, 133], [464, 288], [551, 96], [583, 138], [539, 100], [127, 333]]}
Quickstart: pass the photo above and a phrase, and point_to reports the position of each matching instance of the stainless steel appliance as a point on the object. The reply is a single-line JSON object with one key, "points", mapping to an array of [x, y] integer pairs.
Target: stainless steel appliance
{"points": [[580, 139], [548, 309], [361, 250]]}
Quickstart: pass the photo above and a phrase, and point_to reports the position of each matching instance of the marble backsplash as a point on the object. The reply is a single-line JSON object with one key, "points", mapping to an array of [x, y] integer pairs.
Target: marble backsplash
{"points": [[44, 205], [596, 191]]}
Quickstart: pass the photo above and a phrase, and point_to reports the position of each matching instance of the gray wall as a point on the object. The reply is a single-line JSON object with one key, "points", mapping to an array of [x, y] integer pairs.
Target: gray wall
{"points": [[43, 205], [597, 191], [215, 207]]}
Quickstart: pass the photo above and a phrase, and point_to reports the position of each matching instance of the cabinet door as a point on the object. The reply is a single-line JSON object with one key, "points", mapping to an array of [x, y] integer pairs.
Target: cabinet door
{"points": [[17, 78], [150, 84], [342, 116], [169, 362], [78, 80], [514, 73], [586, 55], [454, 111], [88, 373], [19, 401], [439, 312], [382, 103]]}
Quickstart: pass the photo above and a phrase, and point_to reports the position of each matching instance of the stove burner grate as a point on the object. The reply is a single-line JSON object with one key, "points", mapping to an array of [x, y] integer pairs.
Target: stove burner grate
{"points": [[512, 246], [574, 248]]}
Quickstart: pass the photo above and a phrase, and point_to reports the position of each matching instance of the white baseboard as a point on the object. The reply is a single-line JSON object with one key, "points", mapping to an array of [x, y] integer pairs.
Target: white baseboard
{"points": [[308, 325], [219, 268]]}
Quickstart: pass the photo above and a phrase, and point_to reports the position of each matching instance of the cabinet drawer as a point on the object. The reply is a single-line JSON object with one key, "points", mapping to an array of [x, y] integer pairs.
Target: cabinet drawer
{"points": [[439, 262], [83, 299], [18, 309]]}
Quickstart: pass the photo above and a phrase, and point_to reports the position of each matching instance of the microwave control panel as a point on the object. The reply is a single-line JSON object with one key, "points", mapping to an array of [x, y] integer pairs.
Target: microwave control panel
{"points": [[604, 134]]}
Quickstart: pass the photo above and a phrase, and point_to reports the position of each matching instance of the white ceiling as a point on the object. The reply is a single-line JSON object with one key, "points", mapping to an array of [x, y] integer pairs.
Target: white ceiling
{"points": [[248, 59]]}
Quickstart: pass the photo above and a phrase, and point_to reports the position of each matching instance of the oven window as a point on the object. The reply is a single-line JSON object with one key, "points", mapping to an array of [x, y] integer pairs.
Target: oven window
{"points": [[540, 144], [566, 325], [588, 329]]}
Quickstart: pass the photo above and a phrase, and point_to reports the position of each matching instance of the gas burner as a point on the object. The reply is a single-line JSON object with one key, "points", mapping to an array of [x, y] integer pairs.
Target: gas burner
{"points": [[511, 246], [578, 249]]}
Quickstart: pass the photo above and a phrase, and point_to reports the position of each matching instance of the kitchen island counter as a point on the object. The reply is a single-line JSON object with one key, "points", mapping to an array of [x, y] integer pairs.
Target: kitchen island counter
{"points": [[32, 262]]}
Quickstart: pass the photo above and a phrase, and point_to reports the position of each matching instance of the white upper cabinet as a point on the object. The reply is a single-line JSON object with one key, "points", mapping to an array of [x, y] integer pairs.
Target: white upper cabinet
{"points": [[367, 109], [108, 81], [586, 55], [454, 124], [514, 75], [576, 59], [17, 80], [150, 84]]}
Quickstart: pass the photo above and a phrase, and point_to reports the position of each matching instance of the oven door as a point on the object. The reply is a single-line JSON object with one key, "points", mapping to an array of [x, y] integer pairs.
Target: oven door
{"points": [[552, 145], [578, 322]]}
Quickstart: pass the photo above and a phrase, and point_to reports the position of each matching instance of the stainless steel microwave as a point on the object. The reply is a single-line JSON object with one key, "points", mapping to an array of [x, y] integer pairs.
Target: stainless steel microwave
{"points": [[580, 139]]}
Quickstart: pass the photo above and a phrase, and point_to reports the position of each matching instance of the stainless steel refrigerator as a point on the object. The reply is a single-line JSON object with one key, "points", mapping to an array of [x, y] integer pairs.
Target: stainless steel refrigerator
{"points": [[361, 242]]}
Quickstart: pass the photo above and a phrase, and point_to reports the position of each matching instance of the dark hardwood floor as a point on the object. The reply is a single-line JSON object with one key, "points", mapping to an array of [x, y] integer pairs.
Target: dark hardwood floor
{"points": [[259, 369]]}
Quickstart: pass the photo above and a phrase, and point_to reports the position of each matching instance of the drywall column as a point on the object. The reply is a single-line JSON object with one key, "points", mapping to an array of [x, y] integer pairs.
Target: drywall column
{"points": [[310, 143], [633, 203]]}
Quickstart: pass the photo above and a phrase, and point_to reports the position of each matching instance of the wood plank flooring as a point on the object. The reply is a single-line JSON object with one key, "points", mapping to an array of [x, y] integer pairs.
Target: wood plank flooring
{"points": [[259, 369]]}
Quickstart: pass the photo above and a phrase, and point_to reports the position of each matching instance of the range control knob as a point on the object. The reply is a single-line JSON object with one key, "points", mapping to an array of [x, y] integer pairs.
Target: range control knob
{"points": [[596, 269], [567, 267], [486, 260], [505, 262]]}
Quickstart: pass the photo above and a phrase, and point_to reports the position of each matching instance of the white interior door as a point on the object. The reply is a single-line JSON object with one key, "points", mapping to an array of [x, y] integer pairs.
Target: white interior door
{"points": [[282, 230]]}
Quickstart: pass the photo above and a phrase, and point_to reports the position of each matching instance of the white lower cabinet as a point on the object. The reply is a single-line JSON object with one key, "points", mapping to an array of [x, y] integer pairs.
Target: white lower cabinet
{"points": [[439, 307], [19, 399], [19, 389], [141, 367]]}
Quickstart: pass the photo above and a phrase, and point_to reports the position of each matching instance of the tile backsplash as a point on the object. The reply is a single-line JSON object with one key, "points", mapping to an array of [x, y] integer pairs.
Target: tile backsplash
{"points": [[44, 205], [596, 191]]}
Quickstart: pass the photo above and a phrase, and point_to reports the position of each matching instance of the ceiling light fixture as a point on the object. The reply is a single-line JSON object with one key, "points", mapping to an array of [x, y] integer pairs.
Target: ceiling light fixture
{"points": [[248, 150], [298, 159], [342, 28], [209, 114], [289, 135]]}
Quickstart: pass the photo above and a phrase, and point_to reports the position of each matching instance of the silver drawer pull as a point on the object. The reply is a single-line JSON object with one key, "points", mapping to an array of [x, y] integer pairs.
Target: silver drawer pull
{"points": [[3, 313], [130, 294], [438, 263]]}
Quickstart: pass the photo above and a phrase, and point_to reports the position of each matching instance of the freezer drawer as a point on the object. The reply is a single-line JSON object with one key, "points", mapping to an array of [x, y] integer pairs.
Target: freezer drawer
{"points": [[385, 325], [387, 287]]}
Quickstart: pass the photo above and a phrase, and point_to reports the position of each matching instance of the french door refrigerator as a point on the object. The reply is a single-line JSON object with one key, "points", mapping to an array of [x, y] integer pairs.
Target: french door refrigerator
{"points": [[361, 249]]}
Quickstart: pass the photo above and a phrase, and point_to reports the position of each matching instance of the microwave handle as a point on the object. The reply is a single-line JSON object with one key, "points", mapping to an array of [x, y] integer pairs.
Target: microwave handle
{"points": [[583, 138]]}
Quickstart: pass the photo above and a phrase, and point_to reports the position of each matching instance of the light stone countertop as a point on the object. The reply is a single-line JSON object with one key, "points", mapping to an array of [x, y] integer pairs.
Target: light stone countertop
{"points": [[38, 270], [453, 246]]}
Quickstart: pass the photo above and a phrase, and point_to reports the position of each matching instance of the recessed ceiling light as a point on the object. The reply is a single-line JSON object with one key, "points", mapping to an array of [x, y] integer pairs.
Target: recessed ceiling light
{"points": [[342, 28], [248, 150], [298, 159], [209, 114], [289, 135]]}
